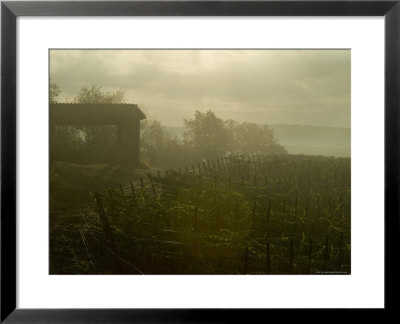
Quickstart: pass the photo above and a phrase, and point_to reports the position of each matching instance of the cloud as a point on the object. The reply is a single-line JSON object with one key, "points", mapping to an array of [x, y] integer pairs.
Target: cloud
{"points": [[268, 86]]}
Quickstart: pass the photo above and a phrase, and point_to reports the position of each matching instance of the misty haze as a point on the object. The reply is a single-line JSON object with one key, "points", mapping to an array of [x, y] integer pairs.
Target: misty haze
{"points": [[200, 161]]}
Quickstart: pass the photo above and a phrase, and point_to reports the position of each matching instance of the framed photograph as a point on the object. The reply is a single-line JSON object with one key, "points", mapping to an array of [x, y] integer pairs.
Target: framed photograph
{"points": [[196, 161]]}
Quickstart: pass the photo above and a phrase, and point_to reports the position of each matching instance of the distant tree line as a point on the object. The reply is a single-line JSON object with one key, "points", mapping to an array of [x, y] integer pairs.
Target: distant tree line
{"points": [[206, 136]]}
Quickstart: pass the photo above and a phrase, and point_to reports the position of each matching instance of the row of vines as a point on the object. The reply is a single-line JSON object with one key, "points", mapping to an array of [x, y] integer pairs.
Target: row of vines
{"points": [[232, 215]]}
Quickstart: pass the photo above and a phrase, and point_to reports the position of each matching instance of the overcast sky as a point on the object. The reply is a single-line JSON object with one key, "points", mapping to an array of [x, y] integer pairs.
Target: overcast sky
{"points": [[309, 87]]}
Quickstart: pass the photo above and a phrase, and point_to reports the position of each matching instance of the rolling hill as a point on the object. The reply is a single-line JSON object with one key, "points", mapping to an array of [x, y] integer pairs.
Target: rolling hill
{"points": [[305, 139]]}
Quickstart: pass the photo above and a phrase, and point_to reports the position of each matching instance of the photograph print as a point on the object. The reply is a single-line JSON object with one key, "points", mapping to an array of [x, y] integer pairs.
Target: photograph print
{"points": [[198, 161]]}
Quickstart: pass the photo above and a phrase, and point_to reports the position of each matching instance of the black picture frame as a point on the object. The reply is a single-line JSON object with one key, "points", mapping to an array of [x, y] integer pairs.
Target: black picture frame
{"points": [[10, 10]]}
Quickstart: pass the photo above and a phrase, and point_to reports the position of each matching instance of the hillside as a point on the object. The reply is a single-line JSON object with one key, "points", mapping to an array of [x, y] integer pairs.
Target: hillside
{"points": [[314, 140], [304, 139]]}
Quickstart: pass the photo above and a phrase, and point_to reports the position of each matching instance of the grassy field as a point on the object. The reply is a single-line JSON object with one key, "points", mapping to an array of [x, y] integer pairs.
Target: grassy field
{"points": [[232, 215]]}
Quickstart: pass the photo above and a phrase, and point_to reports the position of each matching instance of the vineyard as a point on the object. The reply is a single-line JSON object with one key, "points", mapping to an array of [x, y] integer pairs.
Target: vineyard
{"points": [[235, 214]]}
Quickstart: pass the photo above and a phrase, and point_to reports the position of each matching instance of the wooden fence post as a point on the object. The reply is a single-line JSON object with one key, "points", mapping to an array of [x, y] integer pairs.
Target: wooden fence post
{"points": [[340, 251], [307, 202], [175, 216], [236, 215], [196, 211], [254, 216], [122, 192], [110, 193], [329, 204], [133, 192], [291, 257], [142, 183], [152, 185], [310, 256], [217, 220], [326, 256], [107, 229], [246, 256], [341, 206]]}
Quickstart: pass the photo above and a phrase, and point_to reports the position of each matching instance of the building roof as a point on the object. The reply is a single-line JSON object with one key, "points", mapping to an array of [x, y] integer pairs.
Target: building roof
{"points": [[94, 114]]}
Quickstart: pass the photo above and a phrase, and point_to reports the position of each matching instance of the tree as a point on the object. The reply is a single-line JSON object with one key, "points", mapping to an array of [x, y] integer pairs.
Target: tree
{"points": [[210, 136], [54, 92], [151, 139], [158, 146], [95, 95], [60, 137], [207, 134], [253, 138]]}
